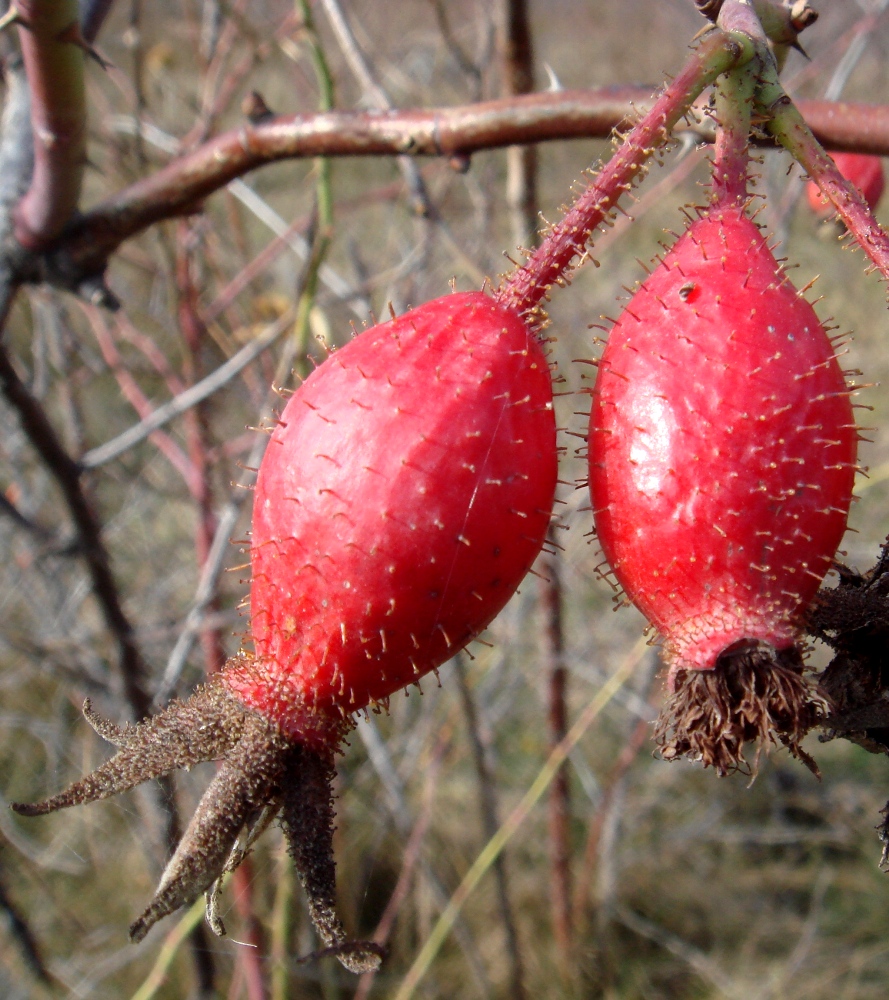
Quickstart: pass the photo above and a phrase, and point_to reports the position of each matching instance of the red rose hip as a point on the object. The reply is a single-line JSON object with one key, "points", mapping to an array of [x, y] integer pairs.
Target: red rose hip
{"points": [[403, 496], [722, 447]]}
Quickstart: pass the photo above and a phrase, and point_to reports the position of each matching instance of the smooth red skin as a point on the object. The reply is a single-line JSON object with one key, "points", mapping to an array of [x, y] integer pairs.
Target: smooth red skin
{"points": [[404, 495], [863, 170], [722, 446]]}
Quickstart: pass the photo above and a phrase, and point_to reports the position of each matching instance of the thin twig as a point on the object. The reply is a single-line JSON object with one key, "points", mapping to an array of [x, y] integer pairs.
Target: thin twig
{"points": [[66, 473], [92, 17], [16, 167], [376, 97], [381, 760], [263, 211], [411, 856], [42, 534], [24, 937], [844, 68], [131, 391], [705, 967], [190, 397], [514, 822]]}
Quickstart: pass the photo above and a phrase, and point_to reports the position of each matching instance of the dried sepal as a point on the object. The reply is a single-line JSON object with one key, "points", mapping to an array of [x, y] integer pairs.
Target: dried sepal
{"points": [[245, 783], [205, 727], [853, 619], [262, 770], [248, 837], [755, 696], [307, 818]]}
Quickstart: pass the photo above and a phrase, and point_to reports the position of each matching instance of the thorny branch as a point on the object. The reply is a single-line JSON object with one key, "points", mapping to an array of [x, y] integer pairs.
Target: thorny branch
{"points": [[179, 188], [53, 51]]}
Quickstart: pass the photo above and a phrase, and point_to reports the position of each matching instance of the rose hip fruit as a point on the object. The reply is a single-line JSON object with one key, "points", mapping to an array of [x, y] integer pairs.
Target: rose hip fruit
{"points": [[404, 495], [722, 448]]}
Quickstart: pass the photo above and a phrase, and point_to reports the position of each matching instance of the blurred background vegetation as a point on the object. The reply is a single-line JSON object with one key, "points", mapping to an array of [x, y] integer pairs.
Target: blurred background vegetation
{"points": [[630, 878]]}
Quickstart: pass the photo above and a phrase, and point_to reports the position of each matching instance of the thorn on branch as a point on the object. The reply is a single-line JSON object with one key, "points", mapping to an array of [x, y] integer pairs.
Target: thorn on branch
{"points": [[255, 109], [74, 35], [94, 290], [13, 17], [709, 8]]}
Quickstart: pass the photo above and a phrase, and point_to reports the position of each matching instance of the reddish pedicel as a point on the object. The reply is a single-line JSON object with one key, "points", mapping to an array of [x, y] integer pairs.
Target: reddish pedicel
{"points": [[863, 170]]}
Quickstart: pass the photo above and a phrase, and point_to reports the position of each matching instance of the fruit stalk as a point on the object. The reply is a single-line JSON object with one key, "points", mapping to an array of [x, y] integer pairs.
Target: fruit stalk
{"points": [[734, 104], [788, 126], [526, 287]]}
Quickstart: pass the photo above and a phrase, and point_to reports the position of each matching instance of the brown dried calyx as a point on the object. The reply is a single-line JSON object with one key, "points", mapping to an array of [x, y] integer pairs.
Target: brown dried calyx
{"points": [[755, 696], [262, 773]]}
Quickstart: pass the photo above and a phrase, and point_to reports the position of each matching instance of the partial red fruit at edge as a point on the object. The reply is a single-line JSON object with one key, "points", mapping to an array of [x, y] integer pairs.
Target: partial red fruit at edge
{"points": [[722, 446], [403, 497], [863, 170]]}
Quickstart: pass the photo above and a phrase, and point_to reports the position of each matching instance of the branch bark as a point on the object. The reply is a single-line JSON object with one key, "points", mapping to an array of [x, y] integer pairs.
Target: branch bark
{"points": [[181, 186], [53, 51]]}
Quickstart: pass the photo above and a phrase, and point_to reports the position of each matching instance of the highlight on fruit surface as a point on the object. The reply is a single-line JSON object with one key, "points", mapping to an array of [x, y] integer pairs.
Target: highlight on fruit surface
{"points": [[722, 456], [864, 170], [404, 494]]}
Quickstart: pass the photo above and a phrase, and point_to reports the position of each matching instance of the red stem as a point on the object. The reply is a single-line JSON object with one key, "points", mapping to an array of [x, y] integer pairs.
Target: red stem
{"points": [[250, 958], [131, 391], [525, 288], [51, 48], [790, 129], [559, 805], [179, 187], [195, 336]]}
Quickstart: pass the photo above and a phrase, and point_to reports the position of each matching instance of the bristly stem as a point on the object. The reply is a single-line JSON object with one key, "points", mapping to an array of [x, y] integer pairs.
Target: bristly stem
{"points": [[525, 288], [734, 94], [787, 125]]}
